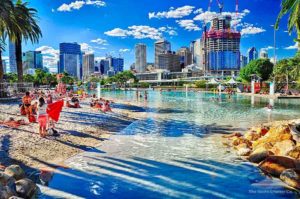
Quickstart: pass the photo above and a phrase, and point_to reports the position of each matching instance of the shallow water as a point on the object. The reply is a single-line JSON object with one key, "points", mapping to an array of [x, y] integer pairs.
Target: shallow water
{"points": [[176, 152]]}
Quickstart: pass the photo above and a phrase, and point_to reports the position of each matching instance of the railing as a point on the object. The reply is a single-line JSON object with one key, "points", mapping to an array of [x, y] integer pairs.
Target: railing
{"points": [[14, 89]]}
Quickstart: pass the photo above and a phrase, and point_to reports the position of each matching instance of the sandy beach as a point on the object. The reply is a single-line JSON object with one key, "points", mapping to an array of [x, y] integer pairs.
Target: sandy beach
{"points": [[80, 130]]}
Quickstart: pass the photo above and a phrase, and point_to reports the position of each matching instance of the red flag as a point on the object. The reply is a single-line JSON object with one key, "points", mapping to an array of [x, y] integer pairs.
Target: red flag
{"points": [[54, 109]]}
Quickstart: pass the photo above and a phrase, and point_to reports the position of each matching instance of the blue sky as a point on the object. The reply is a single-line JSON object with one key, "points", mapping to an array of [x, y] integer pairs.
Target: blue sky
{"points": [[115, 26]]}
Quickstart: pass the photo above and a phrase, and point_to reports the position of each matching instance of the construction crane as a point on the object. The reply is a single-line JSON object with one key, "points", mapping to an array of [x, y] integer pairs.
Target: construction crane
{"points": [[220, 5]]}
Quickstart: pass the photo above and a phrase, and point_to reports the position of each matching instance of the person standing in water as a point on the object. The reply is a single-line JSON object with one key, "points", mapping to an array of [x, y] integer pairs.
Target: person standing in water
{"points": [[146, 96]]}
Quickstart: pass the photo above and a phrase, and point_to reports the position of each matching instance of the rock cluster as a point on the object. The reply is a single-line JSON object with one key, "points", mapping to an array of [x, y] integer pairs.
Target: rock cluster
{"points": [[15, 185], [273, 148]]}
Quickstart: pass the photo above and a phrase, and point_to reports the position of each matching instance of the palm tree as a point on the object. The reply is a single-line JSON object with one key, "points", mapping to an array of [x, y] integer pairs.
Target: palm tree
{"points": [[28, 29], [291, 7], [6, 21]]}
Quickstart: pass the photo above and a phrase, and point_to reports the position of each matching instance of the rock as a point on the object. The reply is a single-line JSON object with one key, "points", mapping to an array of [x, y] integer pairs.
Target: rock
{"points": [[252, 136], [15, 171], [15, 197], [291, 177], [259, 155], [275, 165], [282, 148], [5, 192], [243, 150], [25, 188], [6, 179], [295, 153], [275, 134], [240, 140], [232, 135]]}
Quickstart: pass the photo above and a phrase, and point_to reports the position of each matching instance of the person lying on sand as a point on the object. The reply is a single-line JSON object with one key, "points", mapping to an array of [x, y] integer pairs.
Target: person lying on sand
{"points": [[106, 107], [76, 104], [11, 122]]}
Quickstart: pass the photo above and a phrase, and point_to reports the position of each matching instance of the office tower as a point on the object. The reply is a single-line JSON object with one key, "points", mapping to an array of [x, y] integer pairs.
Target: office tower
{"points": [[221, 46], [169, 61], [32, 60], [140, 58], [252, 54], [12, 58], [70, 59], [115, 64], [104, 66], [263, 54], [244, 61], [88, 65], [4, 66], [185, 56], [161, 46]]}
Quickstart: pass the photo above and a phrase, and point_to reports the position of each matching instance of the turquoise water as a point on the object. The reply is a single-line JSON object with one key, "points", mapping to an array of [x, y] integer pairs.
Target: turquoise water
{"points": [[175, 151]]}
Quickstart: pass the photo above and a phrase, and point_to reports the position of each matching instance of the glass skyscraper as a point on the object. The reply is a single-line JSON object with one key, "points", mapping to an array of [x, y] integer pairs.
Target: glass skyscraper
{"points": [[32, 60], [12, 58], [161, 47], [70, 59], [252, 54]]}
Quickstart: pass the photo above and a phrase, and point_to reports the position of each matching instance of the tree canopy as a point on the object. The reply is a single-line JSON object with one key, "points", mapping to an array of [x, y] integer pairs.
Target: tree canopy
{"points": [[261, 67]]}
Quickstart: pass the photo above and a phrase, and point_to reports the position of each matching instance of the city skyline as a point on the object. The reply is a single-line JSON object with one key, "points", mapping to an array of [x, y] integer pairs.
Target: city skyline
{"points": [[179, 22]]}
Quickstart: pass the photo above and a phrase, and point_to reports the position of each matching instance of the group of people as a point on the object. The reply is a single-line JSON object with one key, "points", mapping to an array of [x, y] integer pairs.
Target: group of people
{"points": [[139, 95], [101, 104]]}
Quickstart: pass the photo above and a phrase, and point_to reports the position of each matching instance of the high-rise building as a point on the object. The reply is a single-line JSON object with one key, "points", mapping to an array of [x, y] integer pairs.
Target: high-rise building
{"points": [[12, 58], [263, 54], [244, 61], [115, 64], [32, 60], [169, 61], [252, 54], [221, 46], [70, 59], [197, 53], [185, 56], [4, 66], [161, 46], [88, 65], [104, 66], [140, 58]]}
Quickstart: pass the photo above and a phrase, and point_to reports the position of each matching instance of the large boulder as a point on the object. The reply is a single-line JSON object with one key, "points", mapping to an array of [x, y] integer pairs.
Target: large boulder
{"points": [[6, 179], [295, 153], [282, 148], [243, 149], [275, 165], [5, 192], [15, 171], [25, 188], [259, 155], [291, 177], [252, 136], [275, 134]]}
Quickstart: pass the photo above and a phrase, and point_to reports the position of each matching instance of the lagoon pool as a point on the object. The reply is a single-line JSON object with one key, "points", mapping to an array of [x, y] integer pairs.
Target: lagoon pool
{"points": [[176, 151]]}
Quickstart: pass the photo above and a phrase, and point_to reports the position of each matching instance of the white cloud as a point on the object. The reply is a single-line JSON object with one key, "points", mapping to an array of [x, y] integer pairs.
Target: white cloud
{"points": [[117, 32], [188, 24], [100, 41], [86, 48], [173, 13], [142, 32], [50, 56], [99, 58], [100, 48], [198, 11], [251, 30], [268, 48], [76, 5], [124, 50], [294, 47]]}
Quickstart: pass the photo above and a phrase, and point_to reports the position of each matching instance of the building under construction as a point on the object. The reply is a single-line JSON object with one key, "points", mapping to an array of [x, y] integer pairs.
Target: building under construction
{"points": [[221, 46]]}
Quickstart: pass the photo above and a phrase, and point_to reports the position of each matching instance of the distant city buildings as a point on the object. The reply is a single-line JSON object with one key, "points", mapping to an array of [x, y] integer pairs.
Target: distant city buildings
{"points": [[169, 61], [32, 60], [140, 58], [222, 46], [88, 67], [12, 58], [4, 66], [104, 67], [263, 54], [185, 56], [252, 54], [160, 47], [196, 48], [244, 61], [70, 59]]}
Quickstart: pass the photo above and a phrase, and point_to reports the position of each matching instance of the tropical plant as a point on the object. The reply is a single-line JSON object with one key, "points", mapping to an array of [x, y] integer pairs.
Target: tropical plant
{"points": [[200, 84], [292, 8], [27, 30], [261, 67]]}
